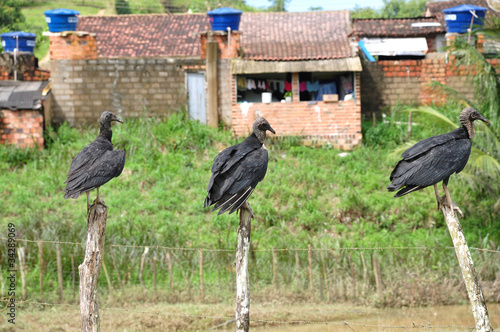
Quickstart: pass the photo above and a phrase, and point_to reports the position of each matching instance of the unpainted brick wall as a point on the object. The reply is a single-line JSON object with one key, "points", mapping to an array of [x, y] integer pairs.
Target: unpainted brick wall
{"points": [[83, 89], [21, 128], [337, 123], [405, 82]]}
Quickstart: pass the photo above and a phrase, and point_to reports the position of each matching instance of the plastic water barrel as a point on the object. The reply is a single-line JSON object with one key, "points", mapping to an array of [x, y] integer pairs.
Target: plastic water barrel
{"points": [[61, 19], [25, 40], [458, 18], [225, 17]]}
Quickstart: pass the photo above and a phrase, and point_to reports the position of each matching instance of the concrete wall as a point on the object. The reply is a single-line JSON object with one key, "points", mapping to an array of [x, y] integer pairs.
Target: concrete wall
{"points": [[83, 89]]}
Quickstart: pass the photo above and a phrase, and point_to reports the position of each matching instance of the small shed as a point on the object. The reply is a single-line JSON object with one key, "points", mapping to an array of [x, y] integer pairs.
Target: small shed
{"points": [[22, 107]]}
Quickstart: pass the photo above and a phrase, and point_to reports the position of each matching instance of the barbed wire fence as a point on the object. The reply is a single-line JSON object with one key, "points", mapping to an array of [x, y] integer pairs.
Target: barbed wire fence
{"points": [[389, 276]]}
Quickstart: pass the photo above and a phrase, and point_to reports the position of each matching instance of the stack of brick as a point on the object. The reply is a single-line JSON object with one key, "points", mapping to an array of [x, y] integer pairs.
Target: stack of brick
{"points": [[27, 68], [21, 128], [72, 45]]}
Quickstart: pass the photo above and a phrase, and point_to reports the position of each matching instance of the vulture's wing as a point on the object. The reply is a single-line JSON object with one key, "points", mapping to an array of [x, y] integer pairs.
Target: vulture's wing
{"points": [[95, 173], [228, 158], [232, 188], [429, 143], [431, 167]]}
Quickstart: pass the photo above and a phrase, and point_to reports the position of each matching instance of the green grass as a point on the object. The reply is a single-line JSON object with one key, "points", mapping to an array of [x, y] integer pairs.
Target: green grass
{"points": [[309, 196]]}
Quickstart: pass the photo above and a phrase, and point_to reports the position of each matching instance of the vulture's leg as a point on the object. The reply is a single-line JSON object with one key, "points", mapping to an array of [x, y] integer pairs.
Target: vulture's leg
{"points": [[438, 198], [99, 200], [448, 201], [88, 203]]}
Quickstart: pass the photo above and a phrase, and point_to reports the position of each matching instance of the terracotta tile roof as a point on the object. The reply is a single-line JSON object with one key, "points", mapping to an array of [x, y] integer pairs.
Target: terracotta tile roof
{"points": [[146, 35], [265, 36], [435, 8], [396, 28], [296, 36]]}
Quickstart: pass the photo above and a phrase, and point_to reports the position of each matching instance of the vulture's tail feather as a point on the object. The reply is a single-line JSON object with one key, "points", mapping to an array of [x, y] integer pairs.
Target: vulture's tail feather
{"points": [[241, 200], [406, 190]]}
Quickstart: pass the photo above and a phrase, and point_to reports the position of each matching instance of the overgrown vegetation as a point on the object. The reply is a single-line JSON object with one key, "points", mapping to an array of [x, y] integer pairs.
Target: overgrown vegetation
{"points": [[309, 196]]}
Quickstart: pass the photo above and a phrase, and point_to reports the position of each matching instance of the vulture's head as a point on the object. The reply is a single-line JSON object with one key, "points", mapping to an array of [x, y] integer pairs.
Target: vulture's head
{"points": [[107, 117], [259, 128], [467, 118]]}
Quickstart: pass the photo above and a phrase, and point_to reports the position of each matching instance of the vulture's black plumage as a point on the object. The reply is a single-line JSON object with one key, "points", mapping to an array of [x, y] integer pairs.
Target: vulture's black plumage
{"points": [[97, 163], [238, 169], [435, 159]]}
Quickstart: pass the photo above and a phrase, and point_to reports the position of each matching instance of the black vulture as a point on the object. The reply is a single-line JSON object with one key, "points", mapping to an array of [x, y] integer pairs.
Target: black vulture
{"points": [[238, 169], [435, 159], [96, 164]]}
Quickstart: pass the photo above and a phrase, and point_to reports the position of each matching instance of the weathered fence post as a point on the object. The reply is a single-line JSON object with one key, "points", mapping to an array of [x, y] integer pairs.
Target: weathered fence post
{"points": [[169, 264], [73, 276], [469, 273], [275, 267], [90, 269], [40, 264], [116, 269], [141, 268], [327, 287], [154, 276], [242, 282], [21, 253], [59, 272], [202, 286], [309, 257], [378, 278]]}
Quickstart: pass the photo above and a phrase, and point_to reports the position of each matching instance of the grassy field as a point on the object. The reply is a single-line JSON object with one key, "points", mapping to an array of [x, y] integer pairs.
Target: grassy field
{"points": [[313, 196]]}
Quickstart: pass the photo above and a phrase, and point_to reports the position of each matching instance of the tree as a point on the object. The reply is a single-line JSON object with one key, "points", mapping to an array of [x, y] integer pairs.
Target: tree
{"points": [[392, 9], [11, 17], [278, 5]]}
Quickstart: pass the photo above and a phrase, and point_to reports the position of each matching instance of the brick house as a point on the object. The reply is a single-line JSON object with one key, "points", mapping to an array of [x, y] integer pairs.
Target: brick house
{"points": [[404, 80], [24, 100], [155, 62]]}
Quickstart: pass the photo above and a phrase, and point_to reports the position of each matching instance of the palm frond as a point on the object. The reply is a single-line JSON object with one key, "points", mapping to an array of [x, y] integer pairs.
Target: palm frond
{"points": [[434, 113]]}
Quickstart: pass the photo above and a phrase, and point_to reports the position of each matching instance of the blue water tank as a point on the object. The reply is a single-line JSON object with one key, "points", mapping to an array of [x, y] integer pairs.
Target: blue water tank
{"points": [[225, 17], [25, 40], [61, 19], [458, 18]]}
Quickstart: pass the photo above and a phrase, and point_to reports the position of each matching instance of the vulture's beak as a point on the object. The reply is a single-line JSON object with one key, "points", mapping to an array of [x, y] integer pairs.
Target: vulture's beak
{"points": [[117, 119], [482, 118], [271, 129]]}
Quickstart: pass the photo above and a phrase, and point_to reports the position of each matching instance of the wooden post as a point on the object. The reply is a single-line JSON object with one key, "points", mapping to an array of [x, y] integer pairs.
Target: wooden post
{"points": [[325, 277], [154, 276], [90, 269], [21, 253], [108, 280], [297, 267], [275, 273], [353, 277], [141, 268], [212, 86], [202, 286], [59, 271], [73, 277], [169, 264], [40, 264], [242, 281], [476, 298], [365, 275], [378, 278], [408, 134], [116, 269], [311, 286]]}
